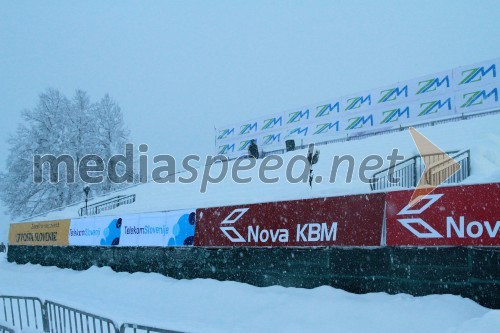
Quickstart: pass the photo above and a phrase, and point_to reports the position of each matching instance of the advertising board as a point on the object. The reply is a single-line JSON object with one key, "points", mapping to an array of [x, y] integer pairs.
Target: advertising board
{"points": [[345, 221], [457, 215]]}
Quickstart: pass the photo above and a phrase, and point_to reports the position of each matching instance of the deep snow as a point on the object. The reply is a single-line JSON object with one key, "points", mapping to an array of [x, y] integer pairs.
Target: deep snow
{"points": [[205, 305]]}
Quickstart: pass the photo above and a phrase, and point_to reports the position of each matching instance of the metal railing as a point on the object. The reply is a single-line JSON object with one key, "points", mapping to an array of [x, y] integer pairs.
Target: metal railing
{"points": [[447, 171], [23, 313], [4, 329], [133, 328], [19, 313], [408, 172], [365, 135], [105, 205], [63, 319]]}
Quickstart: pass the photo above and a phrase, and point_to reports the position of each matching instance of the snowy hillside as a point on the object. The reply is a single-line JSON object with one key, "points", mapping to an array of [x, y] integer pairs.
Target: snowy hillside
{"points": [[485, 159]]}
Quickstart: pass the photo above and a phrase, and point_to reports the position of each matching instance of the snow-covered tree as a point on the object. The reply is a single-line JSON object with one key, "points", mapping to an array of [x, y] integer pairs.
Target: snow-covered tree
{"points": [[59, 126], [110, 135]]}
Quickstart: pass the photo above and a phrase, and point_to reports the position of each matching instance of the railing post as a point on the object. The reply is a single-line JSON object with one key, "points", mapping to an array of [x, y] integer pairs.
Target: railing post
{"points": [[45, 317], [415, 171], [468, 163]]}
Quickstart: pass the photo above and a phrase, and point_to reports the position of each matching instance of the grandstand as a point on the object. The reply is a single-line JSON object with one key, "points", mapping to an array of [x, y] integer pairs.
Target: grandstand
{"points": [[449, 136], [450, 107]]}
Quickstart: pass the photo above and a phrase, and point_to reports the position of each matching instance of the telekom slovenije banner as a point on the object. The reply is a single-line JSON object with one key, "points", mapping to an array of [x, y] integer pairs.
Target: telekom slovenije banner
{"points": [[458, 215], [174, 228], [348, 221]]}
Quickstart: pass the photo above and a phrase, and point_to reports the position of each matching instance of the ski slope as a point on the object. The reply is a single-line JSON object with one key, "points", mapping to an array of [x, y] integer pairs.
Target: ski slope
{"points": [[205, 305], [480, 135]]}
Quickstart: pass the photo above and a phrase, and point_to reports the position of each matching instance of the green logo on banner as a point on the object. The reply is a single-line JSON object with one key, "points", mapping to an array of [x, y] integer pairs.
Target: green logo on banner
{"points": [[394, 114], [478, 97], [393, 93], [434, 106], [476, 74], [359, 122], [432, 84]]}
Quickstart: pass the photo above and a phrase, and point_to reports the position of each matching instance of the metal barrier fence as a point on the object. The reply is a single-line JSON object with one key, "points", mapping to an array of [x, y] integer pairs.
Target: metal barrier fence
{"points": [[108, 204], [368, 134], [20, 313], [446, 171], [4, 329], [63, 319], [132, 328], [23, 313], [409, 171]]}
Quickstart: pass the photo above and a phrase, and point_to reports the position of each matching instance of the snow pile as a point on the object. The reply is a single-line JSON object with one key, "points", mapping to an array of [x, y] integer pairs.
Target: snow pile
{"points": [[204, 305], [480, 135]]}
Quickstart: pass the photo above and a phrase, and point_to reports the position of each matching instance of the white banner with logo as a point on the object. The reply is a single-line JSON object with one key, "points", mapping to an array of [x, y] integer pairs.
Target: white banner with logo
{"points": [[479, 74], [430, 85], [175, 228], [446, 94], [478, 98]]}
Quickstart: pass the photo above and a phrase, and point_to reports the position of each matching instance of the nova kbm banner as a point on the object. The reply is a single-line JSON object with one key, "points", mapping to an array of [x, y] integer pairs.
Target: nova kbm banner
{"points": [[39, 233], [459, 215], [348, 221], [175, 228], [442, 95]]}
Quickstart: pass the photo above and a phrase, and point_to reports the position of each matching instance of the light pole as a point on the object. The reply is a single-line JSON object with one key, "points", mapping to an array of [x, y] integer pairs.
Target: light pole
{"points": [[86, 190]]}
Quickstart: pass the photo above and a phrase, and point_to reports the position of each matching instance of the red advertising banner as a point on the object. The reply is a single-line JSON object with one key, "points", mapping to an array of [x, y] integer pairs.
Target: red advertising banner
{"points": [[458, 215], [345, 221]]}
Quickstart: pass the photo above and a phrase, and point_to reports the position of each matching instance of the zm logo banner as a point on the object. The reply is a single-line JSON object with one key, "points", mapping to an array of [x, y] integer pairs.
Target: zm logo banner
{"points": [[225, 149], [271, 139], [326, 110], [432, 85], [434, 106], [325, 128], [478, 97], [357, 102], [272, 122], [392, 94], [394, 115], [297, 132], [359, 122], [477, 74], [298, 116], [244, 145], [248, 128], [225, 133]]}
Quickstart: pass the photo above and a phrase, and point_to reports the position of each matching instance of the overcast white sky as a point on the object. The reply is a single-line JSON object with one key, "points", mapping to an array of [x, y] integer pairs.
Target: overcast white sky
{"points": [[178, 68]]}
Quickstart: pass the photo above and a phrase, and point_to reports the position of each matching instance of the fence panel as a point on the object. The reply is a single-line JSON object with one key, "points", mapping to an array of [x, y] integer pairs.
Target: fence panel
{"points": [[446, 171], [64, 319], [132, 328], [409, 171], [4, 329], [105, 205], [22, 313]]}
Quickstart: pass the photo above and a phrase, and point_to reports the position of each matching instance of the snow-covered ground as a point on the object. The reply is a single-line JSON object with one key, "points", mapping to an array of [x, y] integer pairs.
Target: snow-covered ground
{"points": [[485, 165], [205, 305]]}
